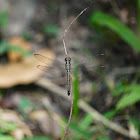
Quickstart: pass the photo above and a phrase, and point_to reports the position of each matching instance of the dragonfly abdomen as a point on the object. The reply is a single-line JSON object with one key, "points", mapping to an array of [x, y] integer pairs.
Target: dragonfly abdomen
{"points": [[68, 67], [68, 82]]}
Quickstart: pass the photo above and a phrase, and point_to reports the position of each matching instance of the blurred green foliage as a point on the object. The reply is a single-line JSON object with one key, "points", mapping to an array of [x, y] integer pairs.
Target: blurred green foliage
{"points": [[110, 114], [123, 31], [136, 123], [130, 92], [26, 35], [5, 129], [81, 128], [5, 137], [53, 5], [75, 86], [4, 19], [38, 138], [130, 97], [4, 47], [24, 104], [103, 138], [51, 30]]}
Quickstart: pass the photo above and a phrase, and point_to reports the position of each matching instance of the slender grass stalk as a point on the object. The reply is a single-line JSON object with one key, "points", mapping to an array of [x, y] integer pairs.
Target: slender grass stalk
{"points": [[76, 93]]}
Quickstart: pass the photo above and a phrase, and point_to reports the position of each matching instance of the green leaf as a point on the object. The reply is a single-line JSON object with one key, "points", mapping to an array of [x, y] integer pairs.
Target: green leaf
{"points": [[4, 137], [103, 138], [7, 127], [120, 87], [3, 47], [53, 6], [37, 138], [123, 31], [136, 123], [24, 104], [130, 98], [3, 19], [20, 50], [76, 93], [51, 30], [110, 114], [86, 121], [80, 132], [26, 35]]}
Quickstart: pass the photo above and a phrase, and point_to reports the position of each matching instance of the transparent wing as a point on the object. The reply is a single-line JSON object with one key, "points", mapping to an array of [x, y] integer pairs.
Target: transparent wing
{"points": [[57, 70], [89, 63], [54, 68], [51, 72], [48, 61]]}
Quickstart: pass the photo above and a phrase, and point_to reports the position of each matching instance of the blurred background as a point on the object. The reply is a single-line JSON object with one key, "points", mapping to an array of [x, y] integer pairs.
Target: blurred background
{"points": [[103, 44]]}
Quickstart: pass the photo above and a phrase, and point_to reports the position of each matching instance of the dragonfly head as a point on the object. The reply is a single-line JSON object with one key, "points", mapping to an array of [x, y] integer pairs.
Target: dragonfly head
{"points": [[67, 59]]}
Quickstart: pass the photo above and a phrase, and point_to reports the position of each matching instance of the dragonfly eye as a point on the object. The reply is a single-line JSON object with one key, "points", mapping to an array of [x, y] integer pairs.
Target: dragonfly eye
{"points": [[67, 60]]}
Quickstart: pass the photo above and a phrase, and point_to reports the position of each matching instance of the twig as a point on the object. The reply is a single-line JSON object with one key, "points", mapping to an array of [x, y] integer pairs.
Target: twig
{"points": [[64, 44], [115, 7], [47, 84], [71, 109]]}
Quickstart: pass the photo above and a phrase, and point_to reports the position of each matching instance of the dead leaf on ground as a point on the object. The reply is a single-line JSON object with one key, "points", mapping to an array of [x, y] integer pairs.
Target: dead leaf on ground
{"points": [[46, 123], [23, 72], [21, 129]]}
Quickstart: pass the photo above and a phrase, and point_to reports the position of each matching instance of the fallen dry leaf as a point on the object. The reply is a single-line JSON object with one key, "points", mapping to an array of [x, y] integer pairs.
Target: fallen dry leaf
{"points": [[21, 130], [13, 55], [23, 72], [46, 123]]}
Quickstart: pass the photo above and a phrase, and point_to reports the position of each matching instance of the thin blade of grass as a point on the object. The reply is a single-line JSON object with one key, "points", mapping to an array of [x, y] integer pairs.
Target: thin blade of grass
{"points": [[123, 31]]}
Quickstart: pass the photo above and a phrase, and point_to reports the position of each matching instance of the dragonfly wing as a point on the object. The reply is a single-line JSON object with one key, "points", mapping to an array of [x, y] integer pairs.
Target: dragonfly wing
{"points": [[48, 61], [51, 72], [88, 64], [54, 68]]}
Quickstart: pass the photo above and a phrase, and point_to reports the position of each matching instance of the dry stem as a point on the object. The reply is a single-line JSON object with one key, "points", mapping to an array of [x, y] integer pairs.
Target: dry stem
{"points": [[71, 109], [64, 44]]}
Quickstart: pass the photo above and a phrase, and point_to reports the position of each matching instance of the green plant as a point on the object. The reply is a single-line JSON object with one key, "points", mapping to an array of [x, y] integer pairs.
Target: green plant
{"points": [[128, 94], [53, 6], [131, 91], [130, 97], [38, 138], [3, 19], [81, 129], [51, 30], [84, 129], [26, 35], [75, 93], [5, 137], [4, 47], [103, 138], [24, 104], [123, 31], [5, 129]]}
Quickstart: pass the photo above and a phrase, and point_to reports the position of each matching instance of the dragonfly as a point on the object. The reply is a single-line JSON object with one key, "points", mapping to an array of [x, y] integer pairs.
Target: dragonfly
{"points": [[46, 60], [67, 65]]}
